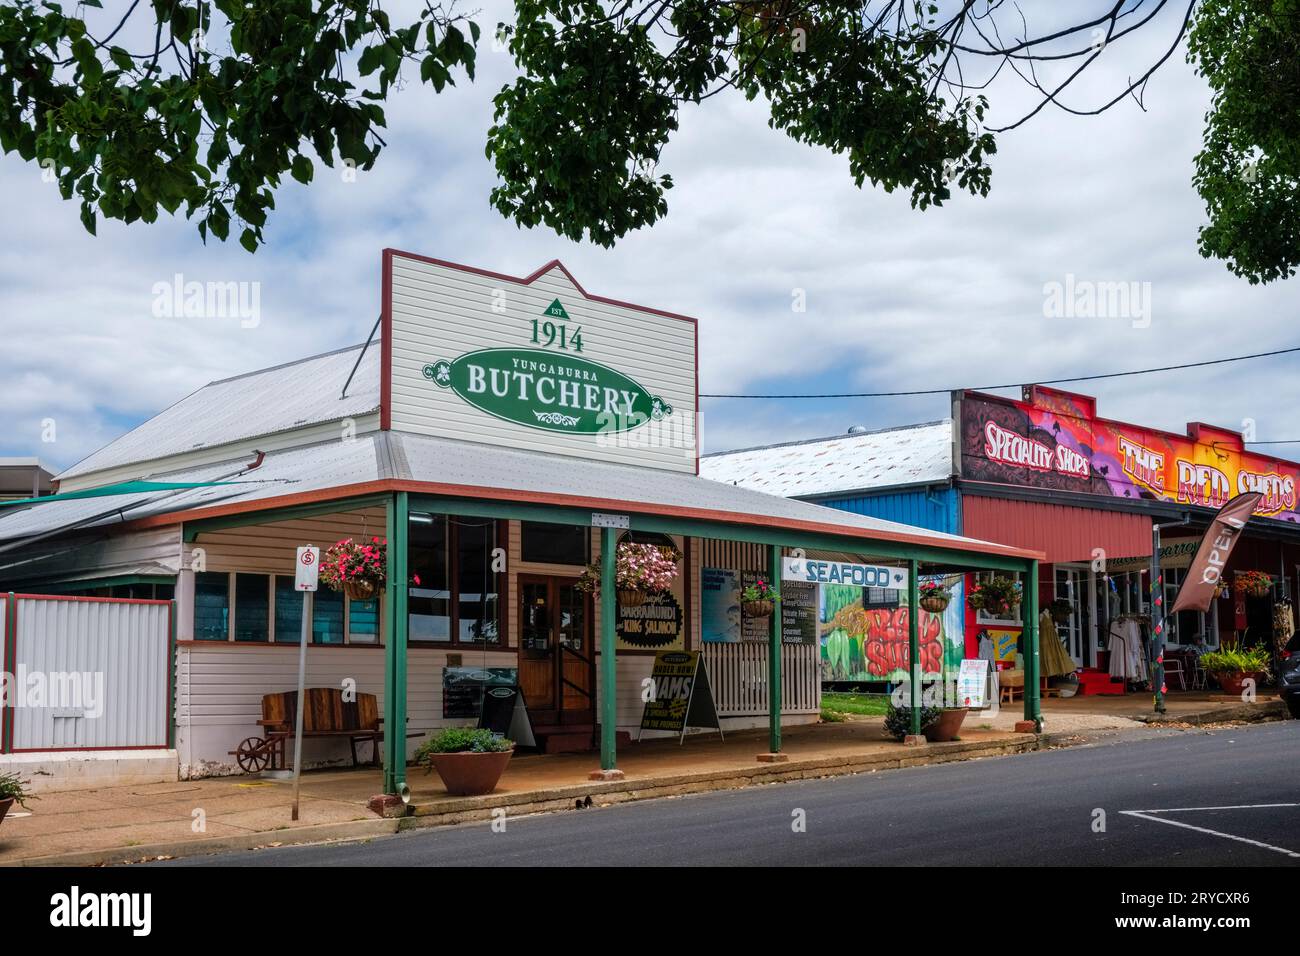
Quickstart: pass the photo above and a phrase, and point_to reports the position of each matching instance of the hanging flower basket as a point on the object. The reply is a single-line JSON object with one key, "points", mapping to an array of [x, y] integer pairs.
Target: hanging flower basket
{"points": [[759, 599], [627, 597], [360, 590], [935, 604], [997, 596], [935, 597], [640, 570], [357, 568], [1254, 584]]}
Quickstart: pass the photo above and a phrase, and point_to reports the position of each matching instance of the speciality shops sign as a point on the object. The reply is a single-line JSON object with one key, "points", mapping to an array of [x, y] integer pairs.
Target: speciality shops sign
{"points": [[812, 571], [539, 389], [1056, 441]]}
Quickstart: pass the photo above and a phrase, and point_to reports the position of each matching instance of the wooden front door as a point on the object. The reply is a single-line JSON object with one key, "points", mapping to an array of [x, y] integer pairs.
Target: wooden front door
{"points": [[556, 667]]}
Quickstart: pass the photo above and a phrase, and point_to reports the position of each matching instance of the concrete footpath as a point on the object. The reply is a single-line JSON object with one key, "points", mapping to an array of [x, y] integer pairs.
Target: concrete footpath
{"points": [[131, 824]]}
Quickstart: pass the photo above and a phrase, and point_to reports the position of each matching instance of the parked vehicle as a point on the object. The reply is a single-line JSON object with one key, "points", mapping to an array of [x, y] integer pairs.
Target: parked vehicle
{"points": [[1288, 676]]}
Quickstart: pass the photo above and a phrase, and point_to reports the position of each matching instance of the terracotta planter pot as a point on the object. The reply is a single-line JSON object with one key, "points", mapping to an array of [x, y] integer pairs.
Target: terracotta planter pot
{"points": [[758, 608], [946, 727], [470, 774], [631, 598], [1234, 684], [935, 605], [5, 804], [360, 590]]}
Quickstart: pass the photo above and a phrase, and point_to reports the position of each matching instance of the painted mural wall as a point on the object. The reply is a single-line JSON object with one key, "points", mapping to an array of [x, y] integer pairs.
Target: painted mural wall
{"points": [[861, 643], [1055, 440]]}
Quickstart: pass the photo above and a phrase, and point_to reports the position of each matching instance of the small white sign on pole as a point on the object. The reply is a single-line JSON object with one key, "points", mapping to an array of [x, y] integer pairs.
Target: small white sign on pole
{"points": [[307, 569], [306, 576]]}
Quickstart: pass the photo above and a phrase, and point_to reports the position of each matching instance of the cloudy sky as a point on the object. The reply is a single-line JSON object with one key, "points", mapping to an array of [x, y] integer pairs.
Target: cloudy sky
{"points": [[896, 299]]}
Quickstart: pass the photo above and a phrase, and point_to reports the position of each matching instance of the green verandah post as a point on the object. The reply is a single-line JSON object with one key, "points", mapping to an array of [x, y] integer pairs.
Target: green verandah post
{"points": [[1033, 688], [914, 642], [395, 634], [608, 662], [774, 658]]}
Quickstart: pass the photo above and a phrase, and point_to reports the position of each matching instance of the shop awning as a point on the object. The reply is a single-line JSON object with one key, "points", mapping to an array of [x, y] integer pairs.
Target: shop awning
{"points": [[1062, 532], [121, 488]]}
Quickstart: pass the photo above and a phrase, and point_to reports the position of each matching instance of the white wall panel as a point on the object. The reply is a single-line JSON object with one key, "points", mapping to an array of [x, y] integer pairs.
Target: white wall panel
{"points": [[121, 648]]}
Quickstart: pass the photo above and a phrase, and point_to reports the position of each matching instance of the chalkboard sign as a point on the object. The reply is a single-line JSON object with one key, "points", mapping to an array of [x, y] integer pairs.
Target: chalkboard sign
{"points": [[683, 697], [463, 688], [798, 613], [504, 713]]}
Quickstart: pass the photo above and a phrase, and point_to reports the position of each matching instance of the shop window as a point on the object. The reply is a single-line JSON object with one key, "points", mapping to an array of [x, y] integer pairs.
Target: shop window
{"points": [[363, 622], [327, 617], [429, 601], [288, 611], [211, 606], [164, 592], [477, 610], [252, 607], [541, 542]]}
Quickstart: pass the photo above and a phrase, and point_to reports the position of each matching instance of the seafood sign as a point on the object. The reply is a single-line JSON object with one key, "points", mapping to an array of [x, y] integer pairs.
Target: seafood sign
{"points": [[1055, 440]]}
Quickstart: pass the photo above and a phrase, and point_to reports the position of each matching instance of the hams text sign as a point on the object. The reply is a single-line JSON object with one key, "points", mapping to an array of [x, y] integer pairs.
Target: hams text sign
{"points": [[812, 571]]}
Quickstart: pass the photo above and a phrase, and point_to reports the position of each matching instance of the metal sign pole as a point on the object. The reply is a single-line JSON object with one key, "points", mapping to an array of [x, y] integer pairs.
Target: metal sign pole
{"points": [[307, 602], [306, 576]]}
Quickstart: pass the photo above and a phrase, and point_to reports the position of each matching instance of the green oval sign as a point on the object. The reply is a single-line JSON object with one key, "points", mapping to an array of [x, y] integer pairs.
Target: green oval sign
{"points": [[550, 391]]}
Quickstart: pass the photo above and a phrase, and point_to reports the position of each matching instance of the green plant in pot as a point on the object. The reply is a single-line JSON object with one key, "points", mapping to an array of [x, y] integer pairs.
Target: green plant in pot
{"points": [[469, 760], [898, 720], [13, 789], [1232, 667]]}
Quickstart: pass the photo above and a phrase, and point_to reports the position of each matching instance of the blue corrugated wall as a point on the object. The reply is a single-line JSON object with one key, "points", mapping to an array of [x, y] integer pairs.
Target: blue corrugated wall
{"points": [[938, 509]]}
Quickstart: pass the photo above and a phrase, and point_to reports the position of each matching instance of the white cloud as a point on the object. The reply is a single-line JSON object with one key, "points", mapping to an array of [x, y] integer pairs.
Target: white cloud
{"points": [[897, 299]]}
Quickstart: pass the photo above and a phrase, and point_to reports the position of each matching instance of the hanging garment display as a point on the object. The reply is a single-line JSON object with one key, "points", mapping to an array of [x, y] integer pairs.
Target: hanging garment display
{"points": [[1127, 656], [1283, 624], [1055, 659]]}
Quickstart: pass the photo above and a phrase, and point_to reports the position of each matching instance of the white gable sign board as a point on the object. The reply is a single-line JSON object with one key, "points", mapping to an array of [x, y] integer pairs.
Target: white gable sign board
{"points": [[536, 364]]}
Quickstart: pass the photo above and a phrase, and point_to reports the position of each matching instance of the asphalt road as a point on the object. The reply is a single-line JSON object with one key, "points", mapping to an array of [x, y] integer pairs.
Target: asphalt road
{"points": [[1034, 809]]}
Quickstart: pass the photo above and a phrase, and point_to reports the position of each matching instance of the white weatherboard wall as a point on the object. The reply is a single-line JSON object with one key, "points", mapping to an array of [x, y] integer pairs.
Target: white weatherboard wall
{"points": [[123, 643], [441, 313], [220, 686]]}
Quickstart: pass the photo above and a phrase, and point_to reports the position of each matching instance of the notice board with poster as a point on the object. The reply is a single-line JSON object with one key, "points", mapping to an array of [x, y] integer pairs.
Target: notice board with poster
{"points": [[682, 695], [799, 608]]}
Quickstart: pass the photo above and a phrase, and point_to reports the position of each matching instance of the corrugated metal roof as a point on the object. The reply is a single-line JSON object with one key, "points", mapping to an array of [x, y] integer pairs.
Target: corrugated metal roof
{"points": [[260, 403], [1062, 532], [484, 469], [894, 456]]}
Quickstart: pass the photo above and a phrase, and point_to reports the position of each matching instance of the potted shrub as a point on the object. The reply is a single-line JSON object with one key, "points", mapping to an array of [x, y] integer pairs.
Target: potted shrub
{"points": [[1254, 584], [946, 725], [639, 571], [469, 760], [898, 720], [1060, 609], [1231, 667], [13, 789], [759, 600], [935, 597]]}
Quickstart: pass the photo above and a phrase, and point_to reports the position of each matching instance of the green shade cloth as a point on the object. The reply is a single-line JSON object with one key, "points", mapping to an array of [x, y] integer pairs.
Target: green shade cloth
{"points": [[122, 488]]}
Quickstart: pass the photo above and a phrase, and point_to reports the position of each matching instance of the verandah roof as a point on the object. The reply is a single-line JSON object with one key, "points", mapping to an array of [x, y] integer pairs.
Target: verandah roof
{"points": [[381, 462]]}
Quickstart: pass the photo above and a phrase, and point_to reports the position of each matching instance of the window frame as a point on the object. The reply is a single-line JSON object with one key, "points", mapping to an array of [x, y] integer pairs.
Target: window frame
{"points": [[272, 638], [501, 580]]}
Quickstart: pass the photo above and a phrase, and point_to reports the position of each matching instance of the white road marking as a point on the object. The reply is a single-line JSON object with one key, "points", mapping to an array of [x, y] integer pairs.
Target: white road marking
{"points": [[1240, 806], [1150, 815]]}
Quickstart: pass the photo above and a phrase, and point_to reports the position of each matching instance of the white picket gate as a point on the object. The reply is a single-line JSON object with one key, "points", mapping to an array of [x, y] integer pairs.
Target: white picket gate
{"points": [[738, 678]]}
